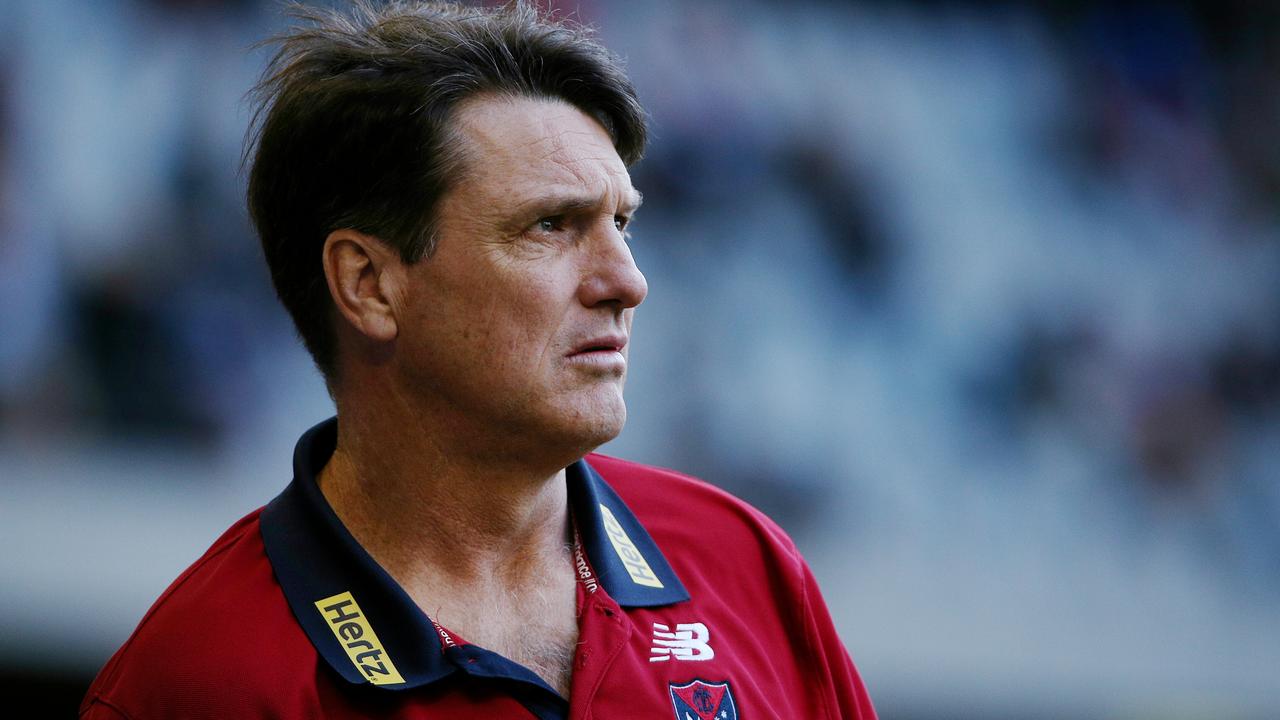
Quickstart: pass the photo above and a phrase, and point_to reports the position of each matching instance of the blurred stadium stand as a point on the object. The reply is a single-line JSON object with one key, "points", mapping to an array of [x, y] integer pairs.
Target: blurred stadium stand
{"points": [[980, 300]]}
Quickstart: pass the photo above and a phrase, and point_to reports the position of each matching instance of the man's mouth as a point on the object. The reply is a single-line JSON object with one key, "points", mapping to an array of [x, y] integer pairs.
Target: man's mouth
{"points": [[601, 344]]}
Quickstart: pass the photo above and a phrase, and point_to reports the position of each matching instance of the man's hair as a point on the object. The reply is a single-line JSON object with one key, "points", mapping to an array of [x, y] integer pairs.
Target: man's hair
{"points": [[353, 127]]}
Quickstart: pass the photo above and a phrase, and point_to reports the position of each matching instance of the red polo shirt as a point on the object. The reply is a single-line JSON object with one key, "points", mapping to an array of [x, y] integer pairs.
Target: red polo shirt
{"points": [[691, 604]]}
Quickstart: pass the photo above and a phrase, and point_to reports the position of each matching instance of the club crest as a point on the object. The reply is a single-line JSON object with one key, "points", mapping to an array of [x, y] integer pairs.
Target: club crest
{"points": [[701, 700]]}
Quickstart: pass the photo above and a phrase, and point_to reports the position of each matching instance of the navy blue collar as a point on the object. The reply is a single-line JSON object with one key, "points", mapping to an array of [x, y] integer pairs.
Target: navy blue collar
{"points": [[365, 625]]}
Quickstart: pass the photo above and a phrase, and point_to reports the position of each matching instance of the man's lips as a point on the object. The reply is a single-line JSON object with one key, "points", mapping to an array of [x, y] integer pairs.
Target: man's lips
{"points": [[600, 344]]}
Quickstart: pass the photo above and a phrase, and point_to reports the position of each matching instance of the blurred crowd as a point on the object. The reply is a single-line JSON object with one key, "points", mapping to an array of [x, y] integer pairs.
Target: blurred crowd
{"points": [[1016, 261]]}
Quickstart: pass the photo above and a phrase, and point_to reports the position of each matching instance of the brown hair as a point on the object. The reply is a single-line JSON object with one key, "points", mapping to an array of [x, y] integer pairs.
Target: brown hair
{"points": [[352, 127]]}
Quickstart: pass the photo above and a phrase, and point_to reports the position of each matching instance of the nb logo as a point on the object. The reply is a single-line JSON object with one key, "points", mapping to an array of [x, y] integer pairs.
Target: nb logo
{"points": [[688, 642]]}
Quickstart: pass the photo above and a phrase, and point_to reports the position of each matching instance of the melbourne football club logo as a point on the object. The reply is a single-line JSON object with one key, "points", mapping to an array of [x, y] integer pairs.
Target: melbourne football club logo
{"points": [[701, 700]]}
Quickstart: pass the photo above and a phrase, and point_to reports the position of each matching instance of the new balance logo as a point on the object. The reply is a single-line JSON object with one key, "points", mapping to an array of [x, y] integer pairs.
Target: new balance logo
{"points": [[688, 642]]}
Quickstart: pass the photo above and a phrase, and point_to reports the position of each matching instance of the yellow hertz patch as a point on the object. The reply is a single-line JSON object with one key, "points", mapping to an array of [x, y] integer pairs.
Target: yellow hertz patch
{"points": [[637, 568], [356, 635]]}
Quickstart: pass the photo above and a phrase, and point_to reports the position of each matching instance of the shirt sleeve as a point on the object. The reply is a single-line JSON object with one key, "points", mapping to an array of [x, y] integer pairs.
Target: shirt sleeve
{"points": [[840, 685]]}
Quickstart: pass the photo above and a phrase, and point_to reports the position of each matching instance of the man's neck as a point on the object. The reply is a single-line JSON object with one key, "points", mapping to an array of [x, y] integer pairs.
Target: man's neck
{"points": [[428, 514], [482, 548]]}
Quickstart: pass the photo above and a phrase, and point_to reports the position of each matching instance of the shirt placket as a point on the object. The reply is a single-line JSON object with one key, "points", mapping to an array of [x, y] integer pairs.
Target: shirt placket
{"points": [[604, 630]]}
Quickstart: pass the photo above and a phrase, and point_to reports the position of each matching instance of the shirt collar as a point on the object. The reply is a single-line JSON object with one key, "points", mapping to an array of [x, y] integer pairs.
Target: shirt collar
{"points": [[381, 635]]}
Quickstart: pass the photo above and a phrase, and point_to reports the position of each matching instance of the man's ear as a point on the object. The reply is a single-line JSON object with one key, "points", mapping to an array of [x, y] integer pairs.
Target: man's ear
{"points": [[364, 275]]}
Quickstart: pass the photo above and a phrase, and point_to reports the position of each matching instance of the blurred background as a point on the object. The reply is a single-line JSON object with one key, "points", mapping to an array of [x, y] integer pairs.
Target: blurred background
{"points": [[980, 300]]}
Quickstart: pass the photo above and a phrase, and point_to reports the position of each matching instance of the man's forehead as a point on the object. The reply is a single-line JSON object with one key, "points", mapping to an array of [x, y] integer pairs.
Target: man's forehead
{"points": [[509, 122], [548, 142]]}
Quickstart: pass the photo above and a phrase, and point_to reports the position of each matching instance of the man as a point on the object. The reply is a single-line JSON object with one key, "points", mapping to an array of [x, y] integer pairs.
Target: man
{"points": [[442, 195]]}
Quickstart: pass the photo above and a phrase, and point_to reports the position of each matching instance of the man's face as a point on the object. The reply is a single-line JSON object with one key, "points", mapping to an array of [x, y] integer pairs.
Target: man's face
{"points": [[517, 325]]}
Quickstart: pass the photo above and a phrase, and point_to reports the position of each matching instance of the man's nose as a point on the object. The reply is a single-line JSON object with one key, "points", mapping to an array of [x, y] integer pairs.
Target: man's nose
{"points": [[611, 273]]}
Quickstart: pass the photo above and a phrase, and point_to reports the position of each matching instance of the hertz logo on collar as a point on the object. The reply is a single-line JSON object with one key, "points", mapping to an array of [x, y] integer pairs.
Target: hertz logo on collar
{"points": [[632, 560], [358, 638]]}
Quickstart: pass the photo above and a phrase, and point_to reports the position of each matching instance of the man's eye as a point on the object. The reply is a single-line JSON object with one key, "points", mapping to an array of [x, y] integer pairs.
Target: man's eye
{"points": [[620, 222], [550, 224]]}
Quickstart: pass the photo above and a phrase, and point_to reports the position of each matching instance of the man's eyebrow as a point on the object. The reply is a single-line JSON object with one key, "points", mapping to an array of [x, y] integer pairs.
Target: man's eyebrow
{"points": [[558, 204], [635, 199]]}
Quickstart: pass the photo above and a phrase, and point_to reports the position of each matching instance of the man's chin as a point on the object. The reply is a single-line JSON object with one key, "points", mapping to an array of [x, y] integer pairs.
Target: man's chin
{"points": [[602, 428], [570, 427], [593, 426], [605, 434]]}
